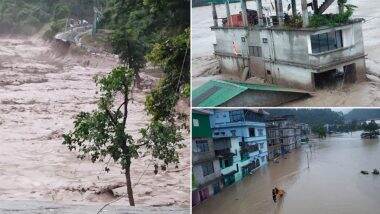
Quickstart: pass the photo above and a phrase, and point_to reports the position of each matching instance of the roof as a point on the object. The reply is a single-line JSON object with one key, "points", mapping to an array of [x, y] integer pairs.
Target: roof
{"points": [[216, 92]]}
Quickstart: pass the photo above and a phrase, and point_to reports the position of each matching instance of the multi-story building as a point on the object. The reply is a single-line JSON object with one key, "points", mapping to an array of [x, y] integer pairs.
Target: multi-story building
{"points": [[283, 135], [239, 142], [305, 132], [258, 43], [206, 177]]}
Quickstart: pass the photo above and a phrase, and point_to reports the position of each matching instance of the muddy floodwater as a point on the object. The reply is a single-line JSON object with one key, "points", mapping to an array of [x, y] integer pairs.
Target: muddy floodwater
{"points": [[42, 88], [205, 66], [333, 183]]}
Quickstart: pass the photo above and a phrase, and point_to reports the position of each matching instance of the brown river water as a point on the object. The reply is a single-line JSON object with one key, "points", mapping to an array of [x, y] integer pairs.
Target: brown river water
{"points": [[333, 183], [41, 91]]}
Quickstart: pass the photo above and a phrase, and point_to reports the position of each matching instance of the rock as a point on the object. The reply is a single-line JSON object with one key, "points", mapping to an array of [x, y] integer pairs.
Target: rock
{"points": [[375, 172]]}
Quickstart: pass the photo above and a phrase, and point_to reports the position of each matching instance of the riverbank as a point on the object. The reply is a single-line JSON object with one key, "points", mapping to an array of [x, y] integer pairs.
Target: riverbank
{"points": [[332, 184]]}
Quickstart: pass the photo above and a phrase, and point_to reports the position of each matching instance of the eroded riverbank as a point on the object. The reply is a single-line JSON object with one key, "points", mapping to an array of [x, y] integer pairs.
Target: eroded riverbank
{"points": [[40, 93], [332, 184]]}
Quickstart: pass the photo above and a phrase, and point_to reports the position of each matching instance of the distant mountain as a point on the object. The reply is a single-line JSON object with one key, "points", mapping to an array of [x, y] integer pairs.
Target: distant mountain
{"points": [[362, 114], [312, 117]]}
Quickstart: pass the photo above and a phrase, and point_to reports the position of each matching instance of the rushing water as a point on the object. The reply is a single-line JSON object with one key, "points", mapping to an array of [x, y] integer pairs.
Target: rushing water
{"points": [[332, 184]]}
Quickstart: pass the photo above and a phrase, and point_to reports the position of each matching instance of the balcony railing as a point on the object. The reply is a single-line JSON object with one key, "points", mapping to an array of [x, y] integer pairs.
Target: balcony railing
{"points": [[200, 157]]}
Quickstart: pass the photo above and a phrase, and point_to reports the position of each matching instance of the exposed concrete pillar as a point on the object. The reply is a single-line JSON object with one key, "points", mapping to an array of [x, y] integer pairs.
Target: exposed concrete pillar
{"points": [[315, 6], [214, 14], [228, 12], [260, 12], [280, 13], [305, 13], [341, 8], [294, 7], [244, 12]]}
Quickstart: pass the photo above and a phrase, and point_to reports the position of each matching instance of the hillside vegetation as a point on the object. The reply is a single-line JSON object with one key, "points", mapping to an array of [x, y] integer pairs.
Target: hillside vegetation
{"points": [[28, 16]]}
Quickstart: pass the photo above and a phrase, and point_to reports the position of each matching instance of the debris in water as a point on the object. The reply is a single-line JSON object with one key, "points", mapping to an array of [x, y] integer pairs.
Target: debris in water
{"points": [[364, 172], [375, 172]]}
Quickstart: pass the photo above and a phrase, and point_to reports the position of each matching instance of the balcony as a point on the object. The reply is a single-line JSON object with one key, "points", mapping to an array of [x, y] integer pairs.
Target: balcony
{"points": [[201, 157], [224, 153]]}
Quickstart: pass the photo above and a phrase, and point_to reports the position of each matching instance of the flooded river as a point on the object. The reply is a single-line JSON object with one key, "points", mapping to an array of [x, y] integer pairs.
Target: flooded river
{"points": [[333, 183], [205, 65], [41, 91]]}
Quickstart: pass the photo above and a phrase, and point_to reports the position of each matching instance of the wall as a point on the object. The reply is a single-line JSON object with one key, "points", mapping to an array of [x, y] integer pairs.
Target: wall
{"points": [[203, 129], [198, 173], [262, 99]]}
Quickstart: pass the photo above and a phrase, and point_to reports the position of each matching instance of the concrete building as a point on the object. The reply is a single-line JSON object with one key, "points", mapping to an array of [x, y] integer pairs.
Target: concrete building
{"points": [[283, 135], [239, 142], [206, 174], [305, 132], [258, 43]]}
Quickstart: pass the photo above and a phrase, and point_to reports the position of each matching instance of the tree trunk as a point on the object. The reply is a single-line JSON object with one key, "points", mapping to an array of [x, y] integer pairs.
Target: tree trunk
{"points": [[129, 186]]}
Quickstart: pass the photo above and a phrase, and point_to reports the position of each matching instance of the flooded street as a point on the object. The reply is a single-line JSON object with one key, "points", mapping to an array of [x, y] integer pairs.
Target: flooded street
{"points": [[41, 91], [332, 184], [205, 65]]}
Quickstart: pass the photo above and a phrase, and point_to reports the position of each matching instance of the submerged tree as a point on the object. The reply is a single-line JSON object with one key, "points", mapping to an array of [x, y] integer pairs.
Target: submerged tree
{"points": [[102, 133]]}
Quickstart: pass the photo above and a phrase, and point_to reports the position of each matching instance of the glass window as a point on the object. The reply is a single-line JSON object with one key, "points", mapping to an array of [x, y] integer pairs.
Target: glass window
{"points": [[252, 132], [207, 168], [323, 42], [326, 41], [260, 132], [339, 39], [255, 51], [202, 146], [315, 43], [332, 40], [236, 116]]}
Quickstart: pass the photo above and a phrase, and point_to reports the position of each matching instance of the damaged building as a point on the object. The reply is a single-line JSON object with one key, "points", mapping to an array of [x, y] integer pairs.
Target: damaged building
{"points": [[253, 43]]}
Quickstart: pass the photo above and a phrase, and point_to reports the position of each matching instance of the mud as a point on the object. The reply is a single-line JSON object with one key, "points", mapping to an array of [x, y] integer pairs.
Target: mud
{"points": [[41, 91], [365, 94], [332, 184]]}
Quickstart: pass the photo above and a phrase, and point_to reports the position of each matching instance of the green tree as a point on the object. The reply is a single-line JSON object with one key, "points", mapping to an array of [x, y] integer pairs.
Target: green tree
{"points": [[320, 131], [371, 127], [102, 133]]}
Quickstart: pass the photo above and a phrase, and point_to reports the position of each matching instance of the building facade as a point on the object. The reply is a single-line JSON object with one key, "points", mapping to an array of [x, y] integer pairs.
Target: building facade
{"points": [[252, 44], [239, 142], [283, 135], [206, 173]]}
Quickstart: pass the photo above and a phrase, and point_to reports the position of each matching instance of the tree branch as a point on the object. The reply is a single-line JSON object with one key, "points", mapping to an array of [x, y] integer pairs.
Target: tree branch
{"points": [[114, 121], [118, 109]]}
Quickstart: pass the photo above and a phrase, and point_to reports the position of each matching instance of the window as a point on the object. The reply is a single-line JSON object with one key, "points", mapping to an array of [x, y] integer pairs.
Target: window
{"points": [[233, 133], [326, 41], [243, 39], [252, 132], [255, 51], [202, 146], [196, 122], [260, 132], [207, 168], [265, 40], [236, 116], [268, 72]]}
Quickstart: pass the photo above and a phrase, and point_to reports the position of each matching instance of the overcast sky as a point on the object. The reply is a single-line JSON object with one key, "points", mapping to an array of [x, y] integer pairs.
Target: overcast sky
{"points": [[344, 110]]}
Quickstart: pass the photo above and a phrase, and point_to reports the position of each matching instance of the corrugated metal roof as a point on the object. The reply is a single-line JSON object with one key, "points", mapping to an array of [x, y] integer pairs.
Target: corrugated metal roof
{"points": [[225, 92], [216, 92]]}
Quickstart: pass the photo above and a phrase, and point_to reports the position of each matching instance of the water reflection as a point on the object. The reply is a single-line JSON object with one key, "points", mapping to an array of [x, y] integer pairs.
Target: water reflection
{"points": [[332, 184]]}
